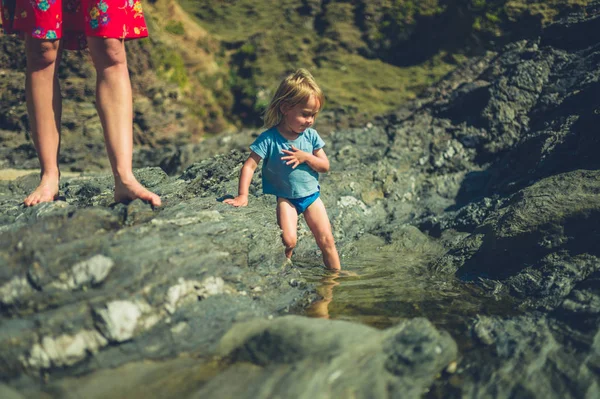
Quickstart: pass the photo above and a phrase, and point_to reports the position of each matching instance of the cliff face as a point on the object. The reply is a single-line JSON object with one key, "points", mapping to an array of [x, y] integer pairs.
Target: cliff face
{"points": [[206, 69], [491, 177]]}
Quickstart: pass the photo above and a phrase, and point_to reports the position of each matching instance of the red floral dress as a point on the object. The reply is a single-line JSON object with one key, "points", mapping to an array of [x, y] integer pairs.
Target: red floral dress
{"points": [[74, 20]]}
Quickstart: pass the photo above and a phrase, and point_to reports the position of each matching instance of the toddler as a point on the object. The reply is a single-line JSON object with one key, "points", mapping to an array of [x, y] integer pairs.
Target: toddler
{"points": [[293, 156]]}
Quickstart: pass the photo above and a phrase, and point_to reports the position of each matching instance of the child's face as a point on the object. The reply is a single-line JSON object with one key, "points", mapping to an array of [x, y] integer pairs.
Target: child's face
{"points": [[300, 117]]}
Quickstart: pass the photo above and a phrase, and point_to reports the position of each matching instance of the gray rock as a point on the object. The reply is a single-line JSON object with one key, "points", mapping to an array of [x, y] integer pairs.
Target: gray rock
{"points": [[497, 163], [302, 358], [528, 357], [540, 244]]}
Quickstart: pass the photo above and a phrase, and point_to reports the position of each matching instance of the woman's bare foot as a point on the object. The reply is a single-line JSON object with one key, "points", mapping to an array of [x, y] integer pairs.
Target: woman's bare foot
{"points": [[131, 189], [47, 191]]}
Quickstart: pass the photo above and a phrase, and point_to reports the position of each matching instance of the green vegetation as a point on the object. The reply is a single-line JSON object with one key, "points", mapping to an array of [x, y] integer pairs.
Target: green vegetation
{"points": [[267, 42], [175, 27], [546, 10], [169, 65], [371, 86], [179, 75], [369, 55], [502, 17]]}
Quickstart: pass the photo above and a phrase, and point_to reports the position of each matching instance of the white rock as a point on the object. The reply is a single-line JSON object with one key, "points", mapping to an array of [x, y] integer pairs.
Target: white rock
{"points": [[187, 291], [349, 201], [92, 271], [118, 321], [15, 288], [89, 272], [179, 328], [64, 350]]}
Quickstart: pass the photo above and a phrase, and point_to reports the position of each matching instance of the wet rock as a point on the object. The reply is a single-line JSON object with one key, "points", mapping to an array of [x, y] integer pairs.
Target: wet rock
{"points": [[401, 361], [540, 244], [531, 358], [492, 172]]}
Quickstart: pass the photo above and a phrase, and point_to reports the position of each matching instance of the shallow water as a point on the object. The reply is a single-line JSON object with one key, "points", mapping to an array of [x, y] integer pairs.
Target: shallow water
{"points": [[179, 377], [388, 288]]}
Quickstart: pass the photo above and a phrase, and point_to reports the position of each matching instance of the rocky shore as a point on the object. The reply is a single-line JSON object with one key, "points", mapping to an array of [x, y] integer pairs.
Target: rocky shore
{"points": [[491, 178]]}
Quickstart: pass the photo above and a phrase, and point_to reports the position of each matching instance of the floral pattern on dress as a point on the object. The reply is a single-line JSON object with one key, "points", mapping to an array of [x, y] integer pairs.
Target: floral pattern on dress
{"points": [[44, 5], [99, 15], [74, 20]]}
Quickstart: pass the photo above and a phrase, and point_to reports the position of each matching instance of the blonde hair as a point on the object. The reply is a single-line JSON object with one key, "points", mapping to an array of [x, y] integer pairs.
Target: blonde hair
{"points": [[297, 87]]}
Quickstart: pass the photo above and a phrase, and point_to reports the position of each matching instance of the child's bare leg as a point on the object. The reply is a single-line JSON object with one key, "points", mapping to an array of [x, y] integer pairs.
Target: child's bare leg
{"points": [[115, 108], [318, 222], [287, 218], [44, 107], [325, 289]]}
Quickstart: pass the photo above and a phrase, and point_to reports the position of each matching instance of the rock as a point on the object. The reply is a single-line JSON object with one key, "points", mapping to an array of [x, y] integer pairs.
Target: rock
{"points": [[15, 288], [64, 350], [118, 320], [401, 361], [540, 244], [490, 176], [90, 272], [186, 291], [7, 392], [452, 367], [529, 358]]}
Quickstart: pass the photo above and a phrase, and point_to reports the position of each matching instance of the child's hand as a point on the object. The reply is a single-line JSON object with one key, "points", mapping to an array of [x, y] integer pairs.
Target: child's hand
{"points": [[240, 200], [294, 157]]}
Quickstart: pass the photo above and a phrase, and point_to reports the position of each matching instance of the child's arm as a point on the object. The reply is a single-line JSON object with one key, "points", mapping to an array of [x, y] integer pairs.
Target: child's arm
{"points": [[245, 179], [318, 160]]}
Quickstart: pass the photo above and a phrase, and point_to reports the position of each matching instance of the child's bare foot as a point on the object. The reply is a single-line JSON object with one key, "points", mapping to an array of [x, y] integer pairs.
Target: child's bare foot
{"points": [[131, 189], [342, 273], [47, 191]]}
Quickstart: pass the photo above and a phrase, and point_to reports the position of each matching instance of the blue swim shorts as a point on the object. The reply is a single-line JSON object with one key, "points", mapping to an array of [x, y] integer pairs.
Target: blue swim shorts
{"points": [[301, 204]]}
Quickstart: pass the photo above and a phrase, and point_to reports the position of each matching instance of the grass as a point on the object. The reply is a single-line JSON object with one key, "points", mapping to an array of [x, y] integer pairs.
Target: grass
{"points": [[175, 27], [374, 87], [547, 10], [257, 43], [273, 41]]}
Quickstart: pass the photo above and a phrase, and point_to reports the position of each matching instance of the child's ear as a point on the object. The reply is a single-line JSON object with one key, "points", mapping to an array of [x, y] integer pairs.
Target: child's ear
{"points": [[284, 108]]}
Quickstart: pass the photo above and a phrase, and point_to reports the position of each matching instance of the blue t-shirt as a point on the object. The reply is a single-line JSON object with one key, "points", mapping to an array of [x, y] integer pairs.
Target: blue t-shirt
{"points": [[280, 179]]}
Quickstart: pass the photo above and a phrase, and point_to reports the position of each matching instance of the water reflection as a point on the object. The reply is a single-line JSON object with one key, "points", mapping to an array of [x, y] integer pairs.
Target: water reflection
{"points": [[320, 308], [385, 289]]}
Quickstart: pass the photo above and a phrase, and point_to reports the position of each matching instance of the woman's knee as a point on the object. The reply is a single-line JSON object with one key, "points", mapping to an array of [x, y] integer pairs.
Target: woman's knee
{"points": [[41, 53], [107, 52]]}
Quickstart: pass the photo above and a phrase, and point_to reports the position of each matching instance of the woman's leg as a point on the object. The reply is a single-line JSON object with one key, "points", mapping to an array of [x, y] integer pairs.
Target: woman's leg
{"points": [[44, 106], [115, 108], [318, 222], [287, 218]]}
